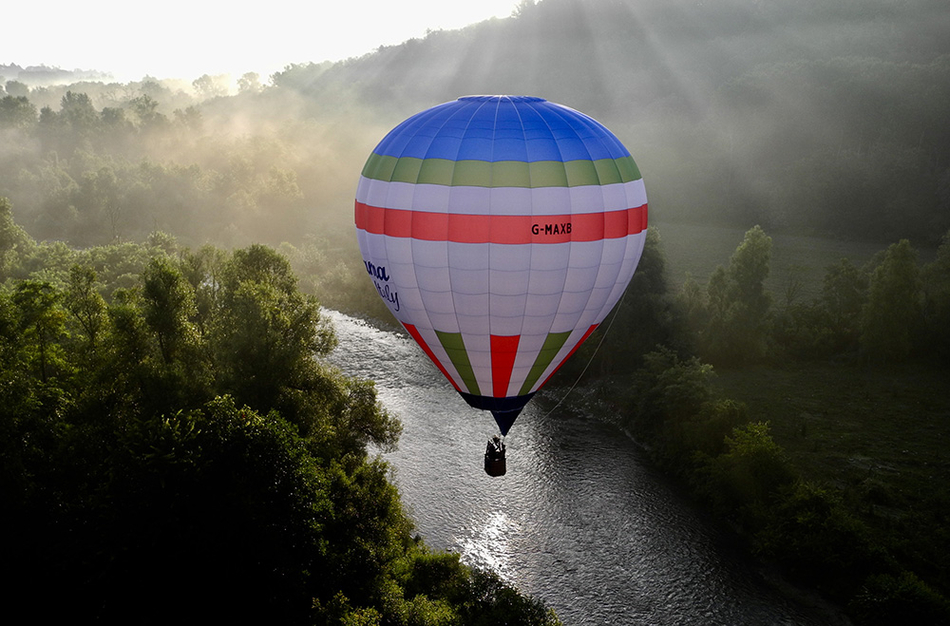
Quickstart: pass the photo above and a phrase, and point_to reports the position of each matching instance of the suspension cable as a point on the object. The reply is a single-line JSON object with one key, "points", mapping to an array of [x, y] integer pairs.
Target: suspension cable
{"points": [[613, 317]]}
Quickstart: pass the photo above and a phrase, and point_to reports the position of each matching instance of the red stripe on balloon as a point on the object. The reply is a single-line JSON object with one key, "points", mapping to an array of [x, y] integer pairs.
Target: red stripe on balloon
{"points": [[414, 333], [504, 349], [508, 229]]}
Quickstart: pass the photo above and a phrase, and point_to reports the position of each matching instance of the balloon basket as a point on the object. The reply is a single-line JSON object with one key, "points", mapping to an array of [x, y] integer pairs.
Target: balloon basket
{"points": [[495, 467]]}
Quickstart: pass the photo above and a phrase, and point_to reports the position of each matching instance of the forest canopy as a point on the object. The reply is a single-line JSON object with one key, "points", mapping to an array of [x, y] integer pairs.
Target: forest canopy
{"points": [[176, 447]]}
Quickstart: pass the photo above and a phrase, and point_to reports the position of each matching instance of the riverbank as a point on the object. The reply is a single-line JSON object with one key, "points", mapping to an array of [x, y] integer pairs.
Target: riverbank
{"points": [[861, 512], [594, 402], [581, 520], [876, 437]]}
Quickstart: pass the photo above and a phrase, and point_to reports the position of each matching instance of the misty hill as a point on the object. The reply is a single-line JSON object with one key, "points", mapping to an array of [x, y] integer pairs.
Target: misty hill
{"points": [[45, 75], [800, 115]]}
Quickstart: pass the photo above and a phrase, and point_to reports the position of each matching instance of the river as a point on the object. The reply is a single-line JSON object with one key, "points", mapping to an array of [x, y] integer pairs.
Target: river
{"points": [[580, 521]]}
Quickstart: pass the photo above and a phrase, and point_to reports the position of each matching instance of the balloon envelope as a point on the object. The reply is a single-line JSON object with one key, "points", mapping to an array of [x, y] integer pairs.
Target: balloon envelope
{"points": [[500, 231]]}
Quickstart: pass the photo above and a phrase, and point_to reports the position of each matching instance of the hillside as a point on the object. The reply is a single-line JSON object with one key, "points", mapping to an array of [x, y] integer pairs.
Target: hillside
{"points": [[800, 116]]}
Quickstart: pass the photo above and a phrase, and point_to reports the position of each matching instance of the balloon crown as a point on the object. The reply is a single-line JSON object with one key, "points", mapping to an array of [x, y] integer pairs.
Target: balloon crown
{"points": [[511, 98]]}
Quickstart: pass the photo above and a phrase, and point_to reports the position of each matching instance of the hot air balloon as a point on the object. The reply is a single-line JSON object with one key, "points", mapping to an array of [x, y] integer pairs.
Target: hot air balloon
{"points": [[500, 231]]}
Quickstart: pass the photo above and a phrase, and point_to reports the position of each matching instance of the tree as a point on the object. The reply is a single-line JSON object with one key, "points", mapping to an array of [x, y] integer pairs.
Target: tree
{"points": [[49, 129], [266, 332], [750, 473], [86, 305], [935, 280], [249, 83], [891, 316], [145, 108], [692, 303], [817, 540], [843, 295], [12, 237], [668, 389], [203, 271], [208, 86], [750, 302], [17, 112], [190, 118], [146, 483], [738, 321], [99, 199], [80, 116], [17, 89], [41, 323], [169, 306]]}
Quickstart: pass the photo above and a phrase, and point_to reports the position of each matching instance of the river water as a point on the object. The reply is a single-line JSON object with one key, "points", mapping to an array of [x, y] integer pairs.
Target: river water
{"points": [[580, 520]]}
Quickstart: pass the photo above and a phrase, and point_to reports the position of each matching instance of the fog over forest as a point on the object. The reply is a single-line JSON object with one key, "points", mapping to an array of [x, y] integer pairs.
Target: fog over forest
{"points": [[802, 117]]}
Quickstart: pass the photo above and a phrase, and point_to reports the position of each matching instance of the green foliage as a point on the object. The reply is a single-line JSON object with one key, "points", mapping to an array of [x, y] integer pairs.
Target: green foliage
{"points": [[142, 477], [817, 540], [673, 408], [935, 279], [13, 239], [265, 331], [85, 303], [90, 176], [891, 317], [41, 325], [706, 434], [830, 325], [489, 600], [802, 332], [747, 477], [733, 323], [668, 389], [16, 112], [888, 599], [861, 118], [169, 305], [843, 295]]}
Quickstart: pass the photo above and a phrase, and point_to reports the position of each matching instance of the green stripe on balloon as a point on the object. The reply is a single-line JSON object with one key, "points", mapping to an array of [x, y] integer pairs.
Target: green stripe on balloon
{"points": [[501, 173], [552, 345], [455, 349]]}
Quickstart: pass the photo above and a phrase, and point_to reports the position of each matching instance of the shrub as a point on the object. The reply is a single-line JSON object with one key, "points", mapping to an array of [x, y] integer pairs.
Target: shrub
{"points": [[887, 599]]}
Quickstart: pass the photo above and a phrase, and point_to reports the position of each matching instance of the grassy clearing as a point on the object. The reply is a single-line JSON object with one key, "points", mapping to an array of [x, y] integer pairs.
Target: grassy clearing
{"points": [[879, 436], [849, 423], [881, 432], [698, 248]]}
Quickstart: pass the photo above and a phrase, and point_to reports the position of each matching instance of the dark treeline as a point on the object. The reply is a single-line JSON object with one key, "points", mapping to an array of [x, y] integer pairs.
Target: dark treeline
{"points": [[174, 448], [842, 483]]}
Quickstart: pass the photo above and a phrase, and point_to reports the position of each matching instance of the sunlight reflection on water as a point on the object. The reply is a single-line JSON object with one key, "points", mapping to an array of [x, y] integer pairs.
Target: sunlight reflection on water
{"points": [[486, 543], [578, 521]]}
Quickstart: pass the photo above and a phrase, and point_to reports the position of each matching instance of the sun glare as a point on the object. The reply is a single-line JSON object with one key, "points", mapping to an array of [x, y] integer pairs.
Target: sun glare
{"points": [[184, 39]]}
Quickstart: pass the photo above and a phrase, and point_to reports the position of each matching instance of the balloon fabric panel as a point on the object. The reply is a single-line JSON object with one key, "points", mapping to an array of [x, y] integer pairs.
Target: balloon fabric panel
{"points": [[500, 231]]}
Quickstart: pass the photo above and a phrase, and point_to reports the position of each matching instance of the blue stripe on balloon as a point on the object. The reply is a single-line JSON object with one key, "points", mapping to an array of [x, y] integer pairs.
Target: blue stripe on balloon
{"points": [[501, 128]]}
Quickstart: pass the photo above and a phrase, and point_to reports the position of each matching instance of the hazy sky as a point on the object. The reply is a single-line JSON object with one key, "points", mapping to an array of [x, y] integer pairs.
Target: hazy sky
{"points": [[188, 38]]}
